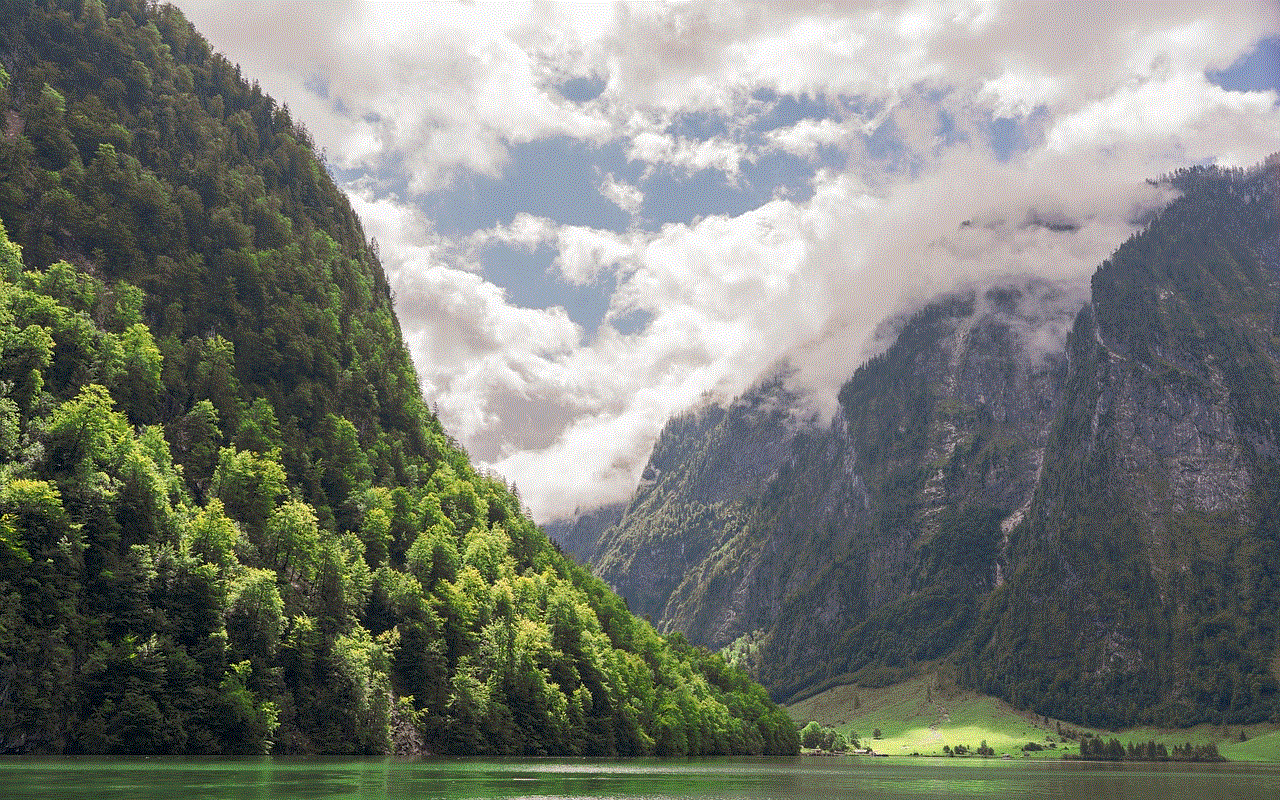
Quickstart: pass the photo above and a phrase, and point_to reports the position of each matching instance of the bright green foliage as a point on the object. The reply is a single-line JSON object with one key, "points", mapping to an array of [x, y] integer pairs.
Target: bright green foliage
{"points": [[811, 734], [247, 723], [292, 541], [211, 536], [228, 522], [255, 615], [820, 737], [249, 486], [135, 378]]}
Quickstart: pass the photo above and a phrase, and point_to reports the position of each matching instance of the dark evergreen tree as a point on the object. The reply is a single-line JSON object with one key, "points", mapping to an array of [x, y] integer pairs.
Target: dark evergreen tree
{"points": [[228, 521]]}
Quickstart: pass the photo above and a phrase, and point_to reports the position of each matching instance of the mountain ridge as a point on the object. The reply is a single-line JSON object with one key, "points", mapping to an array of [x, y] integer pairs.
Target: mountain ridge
{"points": [[987, 512]]}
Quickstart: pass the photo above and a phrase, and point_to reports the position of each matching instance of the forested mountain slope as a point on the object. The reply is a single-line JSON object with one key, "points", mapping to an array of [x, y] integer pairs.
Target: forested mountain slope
{"points": [[1144, 578], [228, 522], [1084, 524]]}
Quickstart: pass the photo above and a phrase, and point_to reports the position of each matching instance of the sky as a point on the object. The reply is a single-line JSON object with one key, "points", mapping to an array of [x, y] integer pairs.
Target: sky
{"points": [[595, 216]]}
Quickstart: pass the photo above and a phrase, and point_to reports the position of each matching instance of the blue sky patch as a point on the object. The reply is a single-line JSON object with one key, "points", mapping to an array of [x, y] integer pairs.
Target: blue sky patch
{"points": [[1257, 71], [531, 280], [557, 178]]}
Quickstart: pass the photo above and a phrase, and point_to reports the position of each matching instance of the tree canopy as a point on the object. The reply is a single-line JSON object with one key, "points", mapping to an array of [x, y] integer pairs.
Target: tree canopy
{"points": [[228, 521]]}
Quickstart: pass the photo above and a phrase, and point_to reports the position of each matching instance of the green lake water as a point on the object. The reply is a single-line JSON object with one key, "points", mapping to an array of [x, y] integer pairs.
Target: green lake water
{"points": [[750, 779]]}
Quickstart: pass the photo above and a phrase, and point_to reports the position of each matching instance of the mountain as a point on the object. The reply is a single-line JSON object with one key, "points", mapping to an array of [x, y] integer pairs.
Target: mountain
{"points": [[1070, 504], [228, 521], [751, 523], [1157, 513]]}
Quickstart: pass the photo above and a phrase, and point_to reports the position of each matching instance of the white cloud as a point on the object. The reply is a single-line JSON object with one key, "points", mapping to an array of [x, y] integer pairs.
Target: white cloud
{"points": [[728, 297], [1185, 111], [624, 195], [585, 252], [524, 230], [581, 253], [423, 95], [430, 89], [688, 155], [806, 136], [433, 89]]}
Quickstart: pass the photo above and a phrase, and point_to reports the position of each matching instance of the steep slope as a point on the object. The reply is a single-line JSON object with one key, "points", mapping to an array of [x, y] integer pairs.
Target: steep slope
{"points": [[1087, 529], [228, 523], [1145, 579], [708, 459], [753, 525], [580, 534]]}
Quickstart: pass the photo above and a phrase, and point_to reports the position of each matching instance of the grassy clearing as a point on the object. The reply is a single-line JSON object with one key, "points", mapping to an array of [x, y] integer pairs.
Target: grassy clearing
{"points": [[924, 714], [921, 716], [1263, 745]]}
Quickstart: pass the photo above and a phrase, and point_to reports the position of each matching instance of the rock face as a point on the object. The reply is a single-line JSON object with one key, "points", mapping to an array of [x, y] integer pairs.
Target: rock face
{"points": [[1067, 501], [580, 534], [1146, 565], [748, 517]]}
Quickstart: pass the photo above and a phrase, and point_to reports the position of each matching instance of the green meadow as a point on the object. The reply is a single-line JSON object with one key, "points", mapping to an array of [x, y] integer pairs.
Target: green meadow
{"points": [[922, 715]]}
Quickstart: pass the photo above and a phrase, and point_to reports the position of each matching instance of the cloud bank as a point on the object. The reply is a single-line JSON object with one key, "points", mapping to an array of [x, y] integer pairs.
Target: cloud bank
{"points": [[882, 154]]}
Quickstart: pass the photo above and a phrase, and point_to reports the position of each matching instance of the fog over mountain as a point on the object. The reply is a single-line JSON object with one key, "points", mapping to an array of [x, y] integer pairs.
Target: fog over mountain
{"points": [[1067, 500], [592, 217]]}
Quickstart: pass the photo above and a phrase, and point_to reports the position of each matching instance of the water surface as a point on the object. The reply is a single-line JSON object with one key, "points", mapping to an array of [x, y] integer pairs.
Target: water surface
{"points": [[749, 779]]}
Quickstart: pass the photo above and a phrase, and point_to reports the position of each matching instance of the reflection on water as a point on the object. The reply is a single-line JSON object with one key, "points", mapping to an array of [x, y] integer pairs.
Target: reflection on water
{"points": [[748, 779]]}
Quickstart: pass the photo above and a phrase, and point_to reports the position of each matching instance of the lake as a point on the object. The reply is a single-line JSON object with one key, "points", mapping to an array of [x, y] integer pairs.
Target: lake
{"points": [[749, 779]]}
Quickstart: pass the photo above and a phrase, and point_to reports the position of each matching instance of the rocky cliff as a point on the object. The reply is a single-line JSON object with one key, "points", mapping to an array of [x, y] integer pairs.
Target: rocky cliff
{"points": [[751, 522], [1144, 572], [1068, 501]]}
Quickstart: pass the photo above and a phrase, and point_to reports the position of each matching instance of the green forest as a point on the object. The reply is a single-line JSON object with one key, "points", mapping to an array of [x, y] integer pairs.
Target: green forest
{"points": [[228, 521]]}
